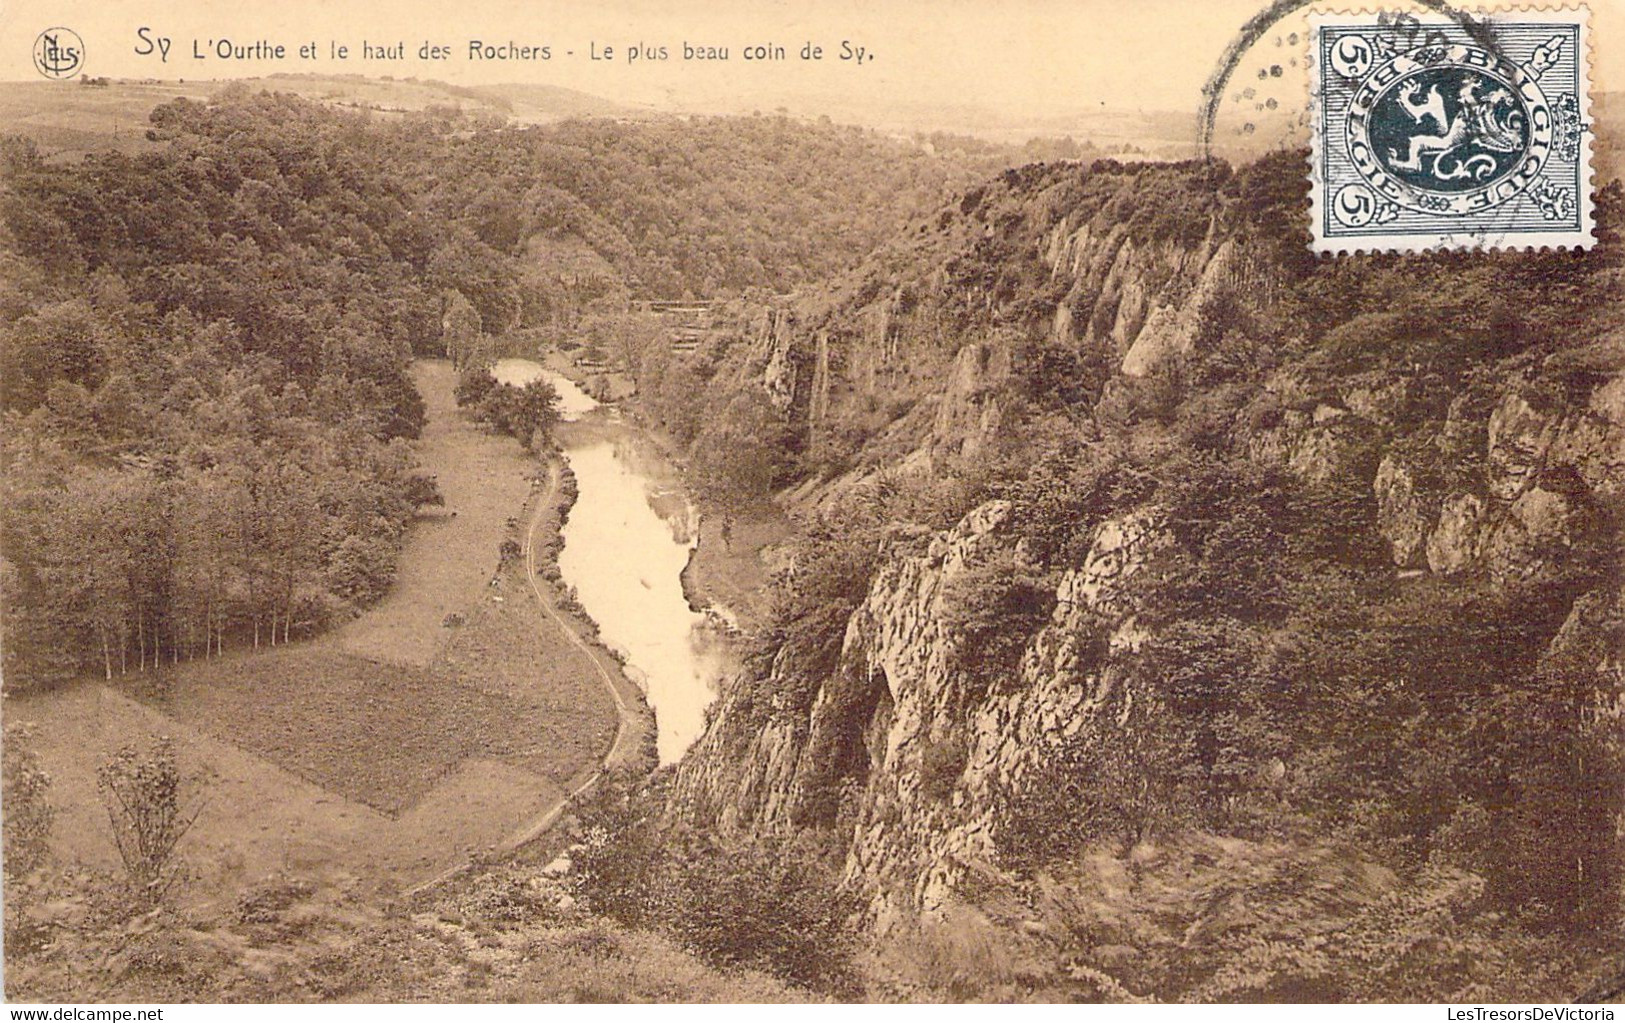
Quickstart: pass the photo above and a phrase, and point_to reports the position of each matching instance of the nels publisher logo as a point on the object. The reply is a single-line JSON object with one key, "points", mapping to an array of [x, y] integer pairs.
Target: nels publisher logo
{"points": [[59, 53]]}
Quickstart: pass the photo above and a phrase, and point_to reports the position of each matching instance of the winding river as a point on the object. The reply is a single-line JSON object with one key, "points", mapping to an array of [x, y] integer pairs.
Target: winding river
{"points": [[626, 544]]}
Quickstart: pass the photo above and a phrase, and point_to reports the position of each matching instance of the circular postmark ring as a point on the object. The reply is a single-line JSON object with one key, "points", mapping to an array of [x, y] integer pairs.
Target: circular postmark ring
{"points": [[1448, 130], [59, 52]]}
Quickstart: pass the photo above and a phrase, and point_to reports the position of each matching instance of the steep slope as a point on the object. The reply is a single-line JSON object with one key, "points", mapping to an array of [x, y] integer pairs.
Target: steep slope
{"points": [[1129, 522]]}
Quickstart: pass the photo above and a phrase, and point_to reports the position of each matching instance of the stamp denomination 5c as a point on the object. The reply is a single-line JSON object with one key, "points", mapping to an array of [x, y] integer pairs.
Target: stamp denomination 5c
{"points": [[1450, 132]]}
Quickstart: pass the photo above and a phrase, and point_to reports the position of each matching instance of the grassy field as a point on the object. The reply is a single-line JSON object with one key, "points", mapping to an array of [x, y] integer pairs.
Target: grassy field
{"points": [[456, 663], [333, 783], [452, 552], [68, 120]]}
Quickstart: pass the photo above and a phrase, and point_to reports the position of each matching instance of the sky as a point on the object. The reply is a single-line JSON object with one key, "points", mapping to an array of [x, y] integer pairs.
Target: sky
{"points": [[1016, 59]]}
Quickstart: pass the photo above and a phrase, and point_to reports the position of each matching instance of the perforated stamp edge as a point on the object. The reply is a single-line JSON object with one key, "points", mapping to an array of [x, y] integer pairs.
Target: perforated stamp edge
{"points": [[1582, 237]]}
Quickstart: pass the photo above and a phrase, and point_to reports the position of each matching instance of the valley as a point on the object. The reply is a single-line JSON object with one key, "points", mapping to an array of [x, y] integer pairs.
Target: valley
{"points": [[754, 559]]}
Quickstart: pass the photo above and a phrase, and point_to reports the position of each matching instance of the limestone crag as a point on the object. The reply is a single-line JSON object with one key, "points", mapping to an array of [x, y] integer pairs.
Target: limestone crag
{"points": [[925, 361], [896, 688], [904, 345]]}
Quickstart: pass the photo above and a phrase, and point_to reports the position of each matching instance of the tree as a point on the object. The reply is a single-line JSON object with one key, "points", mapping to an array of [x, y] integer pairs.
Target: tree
{"points": [[474, 383], [527, 413], [1553, 838], [992, 610], [204, 355], [534, 413], [422, 489], [459, 328], [149, 814], [741, 453]]}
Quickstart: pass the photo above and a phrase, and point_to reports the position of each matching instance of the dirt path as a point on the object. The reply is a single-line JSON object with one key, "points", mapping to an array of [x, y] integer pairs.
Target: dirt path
{"points": [[634, 728], [633, 725]]}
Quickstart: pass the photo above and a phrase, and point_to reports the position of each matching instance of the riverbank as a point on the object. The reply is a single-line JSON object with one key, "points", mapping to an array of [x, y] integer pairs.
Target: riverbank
{"points": [[732, 573], [632, 745], [736, 549], [727, 576]]}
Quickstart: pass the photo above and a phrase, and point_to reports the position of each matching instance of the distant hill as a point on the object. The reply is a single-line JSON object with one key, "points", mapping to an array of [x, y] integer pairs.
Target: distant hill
{"points": [[68, 120], [529, 104], [1156, 134], [541, 103]]}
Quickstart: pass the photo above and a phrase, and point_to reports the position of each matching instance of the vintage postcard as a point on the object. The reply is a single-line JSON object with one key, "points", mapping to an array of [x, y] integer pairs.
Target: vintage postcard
{"points": [[810, 501]]}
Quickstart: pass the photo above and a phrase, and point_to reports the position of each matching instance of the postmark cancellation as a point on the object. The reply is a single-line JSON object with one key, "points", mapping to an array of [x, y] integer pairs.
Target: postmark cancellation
{"points": [[1450, 130]]}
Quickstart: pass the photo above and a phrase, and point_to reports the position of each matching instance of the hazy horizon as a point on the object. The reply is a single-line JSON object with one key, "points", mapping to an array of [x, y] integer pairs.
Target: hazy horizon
{"points": [[1004, 65]]}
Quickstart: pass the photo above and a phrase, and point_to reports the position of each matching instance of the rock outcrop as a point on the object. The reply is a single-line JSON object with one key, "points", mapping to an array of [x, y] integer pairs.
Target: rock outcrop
{"points": [[1401, 515], [927, 361], [912, 841]]}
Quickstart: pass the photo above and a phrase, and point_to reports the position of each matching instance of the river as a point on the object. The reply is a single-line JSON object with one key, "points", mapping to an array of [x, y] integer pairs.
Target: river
{"points": [[626, 544]]}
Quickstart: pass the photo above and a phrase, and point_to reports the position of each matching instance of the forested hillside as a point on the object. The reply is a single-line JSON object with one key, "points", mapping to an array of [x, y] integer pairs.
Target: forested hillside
{"points": [[599, 211], [1180, 614], [1168, 614], [203, 349], [204, 387]]}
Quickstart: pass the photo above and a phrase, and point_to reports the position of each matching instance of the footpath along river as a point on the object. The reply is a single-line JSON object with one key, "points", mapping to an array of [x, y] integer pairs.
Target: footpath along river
{"points": [[628, 538]]}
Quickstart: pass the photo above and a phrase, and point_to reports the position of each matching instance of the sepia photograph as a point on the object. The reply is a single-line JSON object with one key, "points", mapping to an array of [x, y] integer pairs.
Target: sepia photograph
{"points": [[809, 501]]}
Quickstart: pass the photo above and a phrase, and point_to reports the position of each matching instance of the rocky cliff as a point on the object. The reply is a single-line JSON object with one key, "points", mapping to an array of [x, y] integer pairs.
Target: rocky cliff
{"points": [[897, 695], [1459, 453]]}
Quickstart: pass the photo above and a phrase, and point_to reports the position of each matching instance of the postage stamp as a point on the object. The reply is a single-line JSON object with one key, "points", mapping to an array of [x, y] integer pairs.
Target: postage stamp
{"points": [[1465, 131]]}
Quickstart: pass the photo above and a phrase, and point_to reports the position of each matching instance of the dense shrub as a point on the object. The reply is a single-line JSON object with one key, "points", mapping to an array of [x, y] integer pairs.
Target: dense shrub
{"points": [[776, 907], [150, 812], [771, 907], [991, 610], [942, 762], [26, 788]]}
